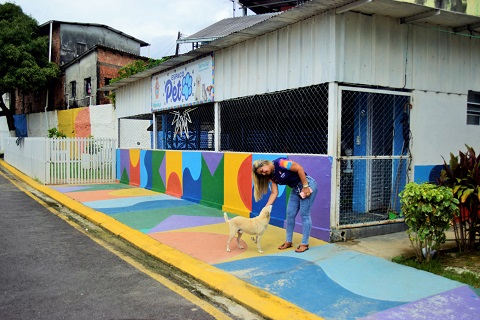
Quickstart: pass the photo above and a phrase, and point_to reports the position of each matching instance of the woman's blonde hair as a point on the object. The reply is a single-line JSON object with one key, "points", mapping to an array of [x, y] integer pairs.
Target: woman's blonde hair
{"points": [[260, 183]]}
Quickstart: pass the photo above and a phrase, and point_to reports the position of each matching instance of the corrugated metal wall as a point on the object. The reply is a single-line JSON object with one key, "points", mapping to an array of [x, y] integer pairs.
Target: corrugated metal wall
{"points": [[297, 56], [445, 62], [371, 50], [134, 99], [350, 48]]}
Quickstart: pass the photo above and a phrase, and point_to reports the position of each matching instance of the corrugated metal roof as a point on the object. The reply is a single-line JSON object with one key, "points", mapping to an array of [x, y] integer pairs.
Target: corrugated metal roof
{"points": [[45, 28], [405, 12], [225, 27]]}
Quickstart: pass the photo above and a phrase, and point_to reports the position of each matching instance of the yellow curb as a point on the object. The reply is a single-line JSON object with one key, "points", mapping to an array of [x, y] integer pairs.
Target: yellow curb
{"points": [[251, 297]]}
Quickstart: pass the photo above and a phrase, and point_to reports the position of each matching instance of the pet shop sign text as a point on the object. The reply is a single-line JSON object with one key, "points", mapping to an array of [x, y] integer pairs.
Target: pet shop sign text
{"points": [[187, 85]]}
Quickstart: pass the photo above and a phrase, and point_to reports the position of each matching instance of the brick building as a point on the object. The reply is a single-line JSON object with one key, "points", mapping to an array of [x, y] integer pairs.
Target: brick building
{"points": [[92, 70], [89, 55]]}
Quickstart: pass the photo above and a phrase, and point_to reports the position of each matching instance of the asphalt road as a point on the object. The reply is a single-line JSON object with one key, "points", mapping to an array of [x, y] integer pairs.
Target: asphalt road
{"points": [[50, 269]]}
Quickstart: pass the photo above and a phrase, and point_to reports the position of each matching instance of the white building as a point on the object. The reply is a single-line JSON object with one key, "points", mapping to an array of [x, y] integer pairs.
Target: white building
{"points": [[382, 89]]}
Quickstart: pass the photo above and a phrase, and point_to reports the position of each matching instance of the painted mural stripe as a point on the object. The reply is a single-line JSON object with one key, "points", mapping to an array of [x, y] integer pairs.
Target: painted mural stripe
{"points": [[389, 281], [176, 222], [130, 201], [458, 303]]}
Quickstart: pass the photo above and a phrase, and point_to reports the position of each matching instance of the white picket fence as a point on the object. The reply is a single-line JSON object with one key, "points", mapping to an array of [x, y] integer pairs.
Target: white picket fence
{"points": [[63, 160]]}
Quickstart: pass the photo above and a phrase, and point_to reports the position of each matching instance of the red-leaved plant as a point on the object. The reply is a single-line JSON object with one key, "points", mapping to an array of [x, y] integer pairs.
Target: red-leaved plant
{"points": [[462, 174]]}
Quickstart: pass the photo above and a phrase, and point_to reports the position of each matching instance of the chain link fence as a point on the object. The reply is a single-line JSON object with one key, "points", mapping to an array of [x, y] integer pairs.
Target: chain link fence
{"points": [[292, 121], [134, 132], [375, 156]]}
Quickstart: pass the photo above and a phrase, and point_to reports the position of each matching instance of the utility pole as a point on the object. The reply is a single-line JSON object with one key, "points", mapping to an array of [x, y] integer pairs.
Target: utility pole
{"points": [[178, 44]]}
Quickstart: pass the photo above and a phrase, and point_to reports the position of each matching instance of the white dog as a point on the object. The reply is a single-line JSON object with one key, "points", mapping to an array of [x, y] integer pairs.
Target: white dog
{"points": [[254, 226]]}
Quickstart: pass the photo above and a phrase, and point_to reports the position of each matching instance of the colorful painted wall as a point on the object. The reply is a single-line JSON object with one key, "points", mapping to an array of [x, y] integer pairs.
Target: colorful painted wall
{"points": [[223, 181], [98, 121]]}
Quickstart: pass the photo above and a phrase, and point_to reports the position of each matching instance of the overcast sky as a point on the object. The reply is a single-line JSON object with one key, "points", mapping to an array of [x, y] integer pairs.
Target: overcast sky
{"points": [[156, 22]]}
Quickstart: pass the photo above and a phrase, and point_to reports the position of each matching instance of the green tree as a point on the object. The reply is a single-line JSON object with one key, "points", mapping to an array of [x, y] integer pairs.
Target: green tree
{"points": [[24, 64], [136, 67], [133, 68]]}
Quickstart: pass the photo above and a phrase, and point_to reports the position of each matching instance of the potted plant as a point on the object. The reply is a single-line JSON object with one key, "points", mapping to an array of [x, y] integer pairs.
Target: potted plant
{"points": [[428, 210]]}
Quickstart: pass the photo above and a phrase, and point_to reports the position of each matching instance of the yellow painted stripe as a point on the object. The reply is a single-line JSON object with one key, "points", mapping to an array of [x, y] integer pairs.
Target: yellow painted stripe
{"points": [[263, 302]]}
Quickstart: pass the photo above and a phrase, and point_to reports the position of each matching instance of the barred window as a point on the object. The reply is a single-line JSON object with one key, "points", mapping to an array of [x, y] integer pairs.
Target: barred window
{"points": [[292, 121]]}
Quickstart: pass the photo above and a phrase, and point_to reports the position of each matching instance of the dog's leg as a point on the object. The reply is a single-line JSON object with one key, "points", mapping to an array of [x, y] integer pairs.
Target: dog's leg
{"points": [[259, 247], [230, 237], [228, 243], [254, 239], [239, 235]]}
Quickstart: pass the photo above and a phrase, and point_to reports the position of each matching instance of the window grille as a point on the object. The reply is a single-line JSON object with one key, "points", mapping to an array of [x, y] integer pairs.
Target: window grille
{"points": [[190, 128]]}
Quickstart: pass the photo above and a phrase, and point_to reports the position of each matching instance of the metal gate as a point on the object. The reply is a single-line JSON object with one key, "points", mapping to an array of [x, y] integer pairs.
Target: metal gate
{"points": [[373, 155]]}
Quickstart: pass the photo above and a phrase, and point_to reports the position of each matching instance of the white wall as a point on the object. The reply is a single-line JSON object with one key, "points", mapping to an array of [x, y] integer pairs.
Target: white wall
{"points": [[438, 125], [37, 123], [134, 99], [350, 48], [3, 124], [103, 121], [296, 56], [79, 71]]}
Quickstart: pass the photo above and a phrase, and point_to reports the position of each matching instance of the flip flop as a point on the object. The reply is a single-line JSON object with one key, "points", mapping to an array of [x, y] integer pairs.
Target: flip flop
{"points": [[285, 245], [302, 248]]}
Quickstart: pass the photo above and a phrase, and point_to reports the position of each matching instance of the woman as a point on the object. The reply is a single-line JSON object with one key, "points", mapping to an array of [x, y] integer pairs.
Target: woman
{"points": [[283, 171]]}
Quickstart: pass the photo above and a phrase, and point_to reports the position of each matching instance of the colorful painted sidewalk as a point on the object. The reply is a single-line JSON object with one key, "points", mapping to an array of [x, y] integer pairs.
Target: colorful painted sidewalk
{"points": [[327, 281]]}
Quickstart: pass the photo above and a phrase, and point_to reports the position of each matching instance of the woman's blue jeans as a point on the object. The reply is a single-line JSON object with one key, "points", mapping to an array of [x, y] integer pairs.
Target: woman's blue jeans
{"points": [[303, 206]]}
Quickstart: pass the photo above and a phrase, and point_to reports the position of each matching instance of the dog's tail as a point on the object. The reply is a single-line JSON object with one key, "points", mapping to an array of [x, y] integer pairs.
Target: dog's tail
{"points": [[225, 216]]}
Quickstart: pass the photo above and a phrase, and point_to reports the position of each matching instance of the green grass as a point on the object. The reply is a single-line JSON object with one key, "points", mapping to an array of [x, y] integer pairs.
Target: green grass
{"points": [[436, 267]]}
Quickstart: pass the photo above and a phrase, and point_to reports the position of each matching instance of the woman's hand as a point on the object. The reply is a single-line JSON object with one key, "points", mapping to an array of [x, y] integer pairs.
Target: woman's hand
{"points": [[306, 191], [273, 194]]}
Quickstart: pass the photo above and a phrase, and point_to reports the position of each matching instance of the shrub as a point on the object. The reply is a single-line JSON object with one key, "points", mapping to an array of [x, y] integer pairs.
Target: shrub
{"points": [[428, 210], [54, 133], [462, 174]]}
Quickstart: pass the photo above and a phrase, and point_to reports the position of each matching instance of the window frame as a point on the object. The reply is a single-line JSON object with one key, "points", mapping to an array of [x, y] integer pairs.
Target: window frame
{"points": [[473, 108]]}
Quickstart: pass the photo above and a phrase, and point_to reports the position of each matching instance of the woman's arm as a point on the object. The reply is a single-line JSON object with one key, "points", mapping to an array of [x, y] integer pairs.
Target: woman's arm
{"points": [[301, 173], [273, 194]]}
